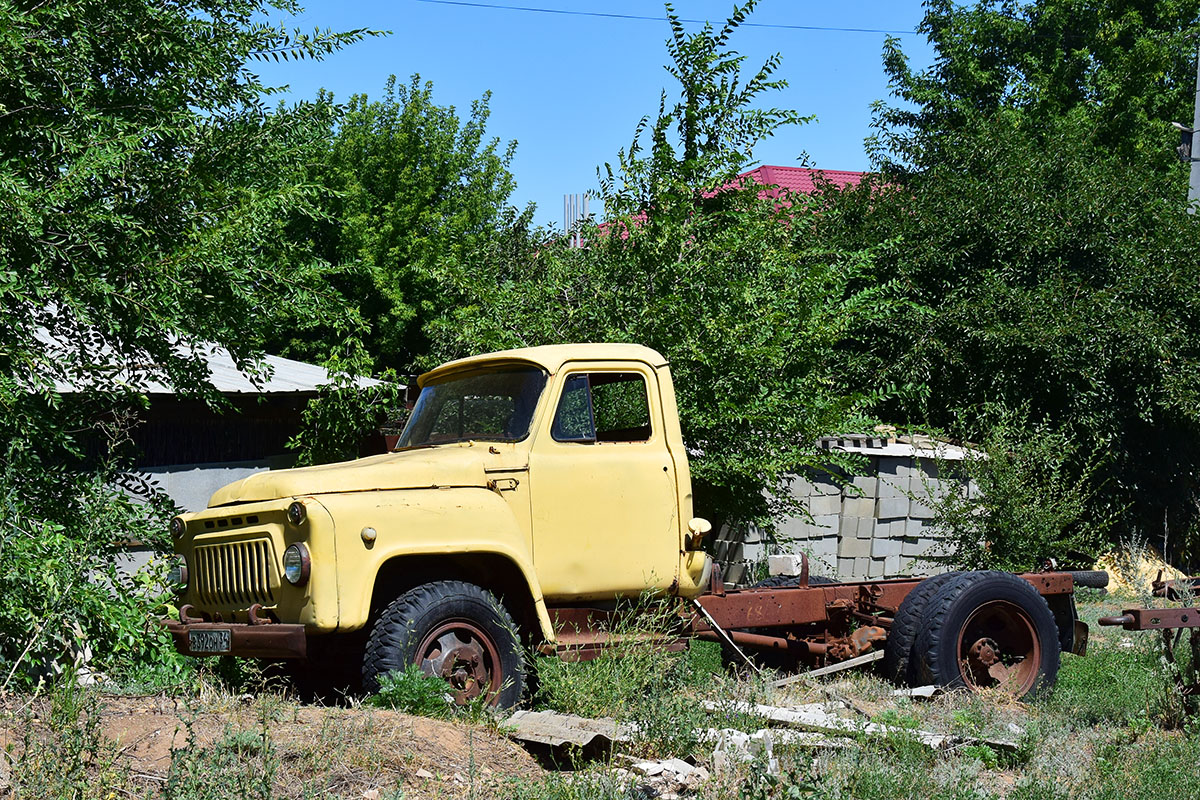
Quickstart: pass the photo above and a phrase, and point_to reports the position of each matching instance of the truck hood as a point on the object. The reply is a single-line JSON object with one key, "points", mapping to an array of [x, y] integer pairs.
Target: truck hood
{"points": [[446, 465]]}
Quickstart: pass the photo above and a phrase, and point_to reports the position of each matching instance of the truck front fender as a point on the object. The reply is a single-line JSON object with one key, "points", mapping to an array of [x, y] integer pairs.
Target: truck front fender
{"points": [[432, 528]]}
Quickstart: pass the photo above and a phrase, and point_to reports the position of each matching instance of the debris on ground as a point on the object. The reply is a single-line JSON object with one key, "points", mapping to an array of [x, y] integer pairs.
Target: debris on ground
{"points": [[566, 731], [817, 717], [850, 663], [732, 747], [666, 779]]}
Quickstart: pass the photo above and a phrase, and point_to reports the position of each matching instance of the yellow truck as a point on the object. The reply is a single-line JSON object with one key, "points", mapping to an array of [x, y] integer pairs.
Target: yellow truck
{"points": [[525, 481], [530, 490]]}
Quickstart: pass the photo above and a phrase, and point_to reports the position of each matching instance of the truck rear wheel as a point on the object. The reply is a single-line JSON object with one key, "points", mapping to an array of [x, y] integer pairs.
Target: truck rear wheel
{"points": [[899, 666], [451, 630], [988, 629]]}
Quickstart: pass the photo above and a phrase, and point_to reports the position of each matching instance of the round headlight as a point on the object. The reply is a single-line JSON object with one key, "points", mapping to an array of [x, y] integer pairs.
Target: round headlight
{"points": [[177, 577], [178, 527], [297, 513], [296, 564]]}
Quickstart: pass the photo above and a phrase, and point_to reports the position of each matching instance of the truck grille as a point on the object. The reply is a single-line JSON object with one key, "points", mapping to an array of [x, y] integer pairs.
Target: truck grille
{"points": [[235, 573]]}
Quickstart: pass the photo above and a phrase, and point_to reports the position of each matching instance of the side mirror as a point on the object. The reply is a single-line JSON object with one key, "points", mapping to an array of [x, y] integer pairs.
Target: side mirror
{"points": [[698, 528]]}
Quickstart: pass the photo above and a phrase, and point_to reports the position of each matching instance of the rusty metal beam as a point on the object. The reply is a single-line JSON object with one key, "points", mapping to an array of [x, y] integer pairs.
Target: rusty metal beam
{"points": [[1150, 619], [799, 605]]}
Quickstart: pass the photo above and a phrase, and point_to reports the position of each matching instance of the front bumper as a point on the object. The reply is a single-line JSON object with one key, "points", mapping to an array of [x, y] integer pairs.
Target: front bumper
{"points": [[271, 640]]}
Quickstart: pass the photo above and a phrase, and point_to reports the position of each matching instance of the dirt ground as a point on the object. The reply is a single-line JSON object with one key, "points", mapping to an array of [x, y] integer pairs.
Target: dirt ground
{"points": [[351, 752]]}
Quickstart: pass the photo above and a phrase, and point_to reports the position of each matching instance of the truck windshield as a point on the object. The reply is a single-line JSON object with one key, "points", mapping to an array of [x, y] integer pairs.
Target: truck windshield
{"points": [[496, 405]]}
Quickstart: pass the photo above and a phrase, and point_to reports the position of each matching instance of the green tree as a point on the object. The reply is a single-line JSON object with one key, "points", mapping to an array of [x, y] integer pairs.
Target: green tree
{"points": [[145, 191], [1122, 70], [700, 269], [1042, 272], [408, 185]]}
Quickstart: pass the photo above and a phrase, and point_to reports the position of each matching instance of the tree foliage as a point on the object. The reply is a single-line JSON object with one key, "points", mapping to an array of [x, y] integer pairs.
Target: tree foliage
{"points": [[145, 190], [1042, 246], [1031, 496], [1122, 71], [700, 269], [408, 184]]}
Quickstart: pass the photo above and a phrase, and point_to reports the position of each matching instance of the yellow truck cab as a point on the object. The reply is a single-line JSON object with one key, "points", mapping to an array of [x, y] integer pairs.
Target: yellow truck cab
{"points": [[527, 485]]}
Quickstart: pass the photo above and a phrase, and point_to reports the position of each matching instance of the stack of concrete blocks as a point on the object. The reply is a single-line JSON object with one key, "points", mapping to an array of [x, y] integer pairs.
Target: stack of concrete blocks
{"points": [[736, 551], [878, 525]]}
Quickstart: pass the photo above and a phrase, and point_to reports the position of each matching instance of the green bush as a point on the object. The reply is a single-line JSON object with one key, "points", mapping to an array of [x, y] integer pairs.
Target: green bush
{"points": [[414, 692], [65, 604], [636, 680], [1032, 486]]}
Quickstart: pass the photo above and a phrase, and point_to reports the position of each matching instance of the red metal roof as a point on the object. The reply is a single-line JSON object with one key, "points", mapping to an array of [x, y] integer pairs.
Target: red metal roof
{"points": [[802, 179]]}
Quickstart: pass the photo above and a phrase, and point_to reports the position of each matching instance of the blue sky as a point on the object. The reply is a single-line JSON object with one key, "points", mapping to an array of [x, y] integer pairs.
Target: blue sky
{"points": [[570, 88]]}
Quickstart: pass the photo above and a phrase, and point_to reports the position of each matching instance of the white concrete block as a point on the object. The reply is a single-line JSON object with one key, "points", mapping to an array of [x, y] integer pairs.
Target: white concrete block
{"points": [[920, 510], [866, 527], [858, 507], [825, 525], [892, 487], [875, 568], [864, 484], [854, 548], [919, 487], [891, 565], [824, 547], [824, 505], [825, 487], [801, 487], [785, 565], [883, 547], [891, 507]]}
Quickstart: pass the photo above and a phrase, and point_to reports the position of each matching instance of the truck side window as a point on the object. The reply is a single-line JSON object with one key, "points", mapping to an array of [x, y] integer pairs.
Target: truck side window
{"points": [[573, 422], [621, 406], [603, 407]]}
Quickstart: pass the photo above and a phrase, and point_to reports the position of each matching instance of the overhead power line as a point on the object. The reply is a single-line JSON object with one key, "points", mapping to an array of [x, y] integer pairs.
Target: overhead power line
{"points": [[610, 15]]}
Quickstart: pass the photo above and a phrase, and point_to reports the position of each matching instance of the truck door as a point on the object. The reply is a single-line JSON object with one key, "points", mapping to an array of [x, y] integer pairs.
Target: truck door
{"points": [[605, 516]]}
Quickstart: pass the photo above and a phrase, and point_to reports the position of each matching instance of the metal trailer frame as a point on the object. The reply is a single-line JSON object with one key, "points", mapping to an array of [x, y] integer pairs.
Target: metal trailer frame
{"points": [[1170, 621], [813, 624]]}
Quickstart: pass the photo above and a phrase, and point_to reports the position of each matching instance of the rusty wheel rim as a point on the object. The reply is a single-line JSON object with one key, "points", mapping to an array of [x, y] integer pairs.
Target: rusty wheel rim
{"points": [[460, 653], [998, 647]]}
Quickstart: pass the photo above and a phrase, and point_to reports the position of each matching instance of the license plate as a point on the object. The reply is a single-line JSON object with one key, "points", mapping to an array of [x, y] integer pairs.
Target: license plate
{"points": [[214, 641]]}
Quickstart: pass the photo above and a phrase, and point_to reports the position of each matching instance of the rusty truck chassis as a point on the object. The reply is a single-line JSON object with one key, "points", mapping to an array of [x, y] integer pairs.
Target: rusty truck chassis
{"points": [[813, 624]]}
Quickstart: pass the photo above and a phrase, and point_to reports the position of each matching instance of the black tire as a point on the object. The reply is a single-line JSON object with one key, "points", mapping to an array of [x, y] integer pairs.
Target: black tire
{"points": [[1091, 578], [787, 581], [1005, 618], [898, 665], [423, 624]]}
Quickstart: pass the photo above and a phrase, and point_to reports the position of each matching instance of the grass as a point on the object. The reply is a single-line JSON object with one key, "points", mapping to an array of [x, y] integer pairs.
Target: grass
{"points": [[1113, 727]]}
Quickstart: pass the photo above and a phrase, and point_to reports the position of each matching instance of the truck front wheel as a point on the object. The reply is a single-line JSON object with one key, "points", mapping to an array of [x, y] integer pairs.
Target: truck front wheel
{"points": [[452, 630]]}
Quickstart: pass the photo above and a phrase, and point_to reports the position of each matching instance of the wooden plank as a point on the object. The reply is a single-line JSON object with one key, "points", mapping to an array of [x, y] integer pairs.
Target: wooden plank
{"points": [[850, 663]]}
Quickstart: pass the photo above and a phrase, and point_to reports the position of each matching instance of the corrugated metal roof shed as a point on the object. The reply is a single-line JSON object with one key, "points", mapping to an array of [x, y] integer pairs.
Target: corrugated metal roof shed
{"points": [[282, 376]]}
